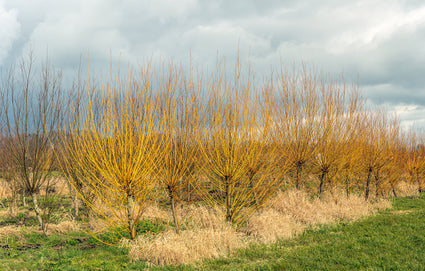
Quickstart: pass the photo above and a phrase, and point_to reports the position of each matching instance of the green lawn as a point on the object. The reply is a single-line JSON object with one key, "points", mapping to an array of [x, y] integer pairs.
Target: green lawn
{"points": [[392, 240]]}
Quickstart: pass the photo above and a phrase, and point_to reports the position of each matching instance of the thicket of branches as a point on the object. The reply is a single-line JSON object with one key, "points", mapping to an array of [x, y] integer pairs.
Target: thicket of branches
{"points": [[223, 138]]}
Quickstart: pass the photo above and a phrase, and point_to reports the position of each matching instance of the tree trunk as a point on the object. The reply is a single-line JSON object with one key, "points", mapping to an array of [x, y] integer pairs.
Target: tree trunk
{"points": [[368, 184], [394, 193], [298, 176], [14, 203], [251, 184], [322, 180], [347, 187], [131, 222], [74, 199], [24, 201], [228, 200], [38, 214], [173, 210], [76, 209], [377, 184]]}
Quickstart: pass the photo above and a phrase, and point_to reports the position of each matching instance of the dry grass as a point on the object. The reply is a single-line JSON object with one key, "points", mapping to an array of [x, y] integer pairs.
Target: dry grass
{"points": [[407, 189], [400, 212], [12, 230], [203, 217], [61, 186], [4, 190], [63, 228], [294, 210], [154, 212], [270, 225], [189, 246], [207, 235], [4, 213], [330, 209]]}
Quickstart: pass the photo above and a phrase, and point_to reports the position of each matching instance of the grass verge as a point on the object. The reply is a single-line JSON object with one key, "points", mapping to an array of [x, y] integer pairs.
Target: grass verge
{"points": [[393, 239]]}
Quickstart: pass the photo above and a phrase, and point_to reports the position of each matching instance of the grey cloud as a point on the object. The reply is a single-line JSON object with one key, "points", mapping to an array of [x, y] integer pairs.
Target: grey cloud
{"points": [[9, 30], [380, 42]]}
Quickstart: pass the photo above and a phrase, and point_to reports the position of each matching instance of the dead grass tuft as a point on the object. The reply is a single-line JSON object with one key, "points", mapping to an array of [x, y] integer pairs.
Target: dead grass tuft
{"points": [[203, 217], [11, 231], [207, 235], [330, 209], [407, 189], [154, 212], [63, 228], [4, 190], [169, 248], [270, 225], [5, 213]]}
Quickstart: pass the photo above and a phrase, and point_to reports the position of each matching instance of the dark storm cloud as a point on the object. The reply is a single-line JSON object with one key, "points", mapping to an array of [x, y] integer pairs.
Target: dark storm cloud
{"points": [[379, 42]]}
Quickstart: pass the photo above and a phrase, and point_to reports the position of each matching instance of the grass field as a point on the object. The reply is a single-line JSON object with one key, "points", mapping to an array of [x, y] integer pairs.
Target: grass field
{"points": [[393, 239]]}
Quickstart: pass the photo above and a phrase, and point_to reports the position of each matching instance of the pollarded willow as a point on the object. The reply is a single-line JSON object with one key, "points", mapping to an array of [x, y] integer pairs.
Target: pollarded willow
{"points": [[235, 143], [112, 148]]}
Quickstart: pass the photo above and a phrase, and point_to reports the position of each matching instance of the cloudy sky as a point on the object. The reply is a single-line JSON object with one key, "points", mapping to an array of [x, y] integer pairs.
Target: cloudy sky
{"points": [[380, 43]]}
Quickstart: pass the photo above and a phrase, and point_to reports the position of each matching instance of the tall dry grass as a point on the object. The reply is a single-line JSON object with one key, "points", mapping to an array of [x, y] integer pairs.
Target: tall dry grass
{"points": [[188, 246], [330, 209], [9, 231], [63, 227], [208, 235], [406, 189], [270, 225], [4, 190]]}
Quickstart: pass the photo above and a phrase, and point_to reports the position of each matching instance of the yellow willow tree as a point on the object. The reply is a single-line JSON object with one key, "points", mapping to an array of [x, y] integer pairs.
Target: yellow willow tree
{"points": [[178, 117], [350, 163], [334, 129], [392, 172], [415, 158], [235, 140], [296, 118], [390, 167], [378, 132], [352, 120], [113, 150]]}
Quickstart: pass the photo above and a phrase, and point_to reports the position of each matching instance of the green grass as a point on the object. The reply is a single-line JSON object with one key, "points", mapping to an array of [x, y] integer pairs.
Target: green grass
{"points": [[76, 251], [391, 240]]}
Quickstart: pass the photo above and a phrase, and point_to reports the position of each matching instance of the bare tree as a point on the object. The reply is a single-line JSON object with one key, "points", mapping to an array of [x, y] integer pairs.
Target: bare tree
{"points": [[33, 112]]}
